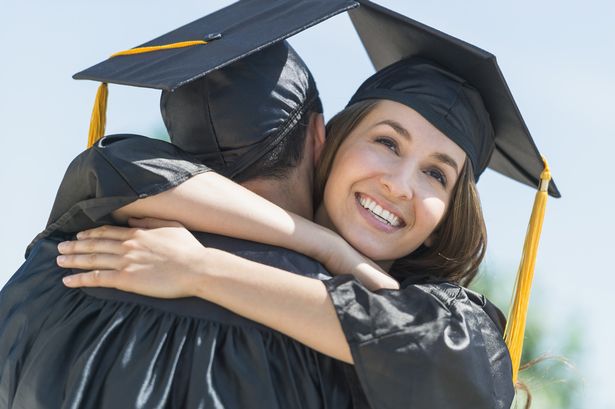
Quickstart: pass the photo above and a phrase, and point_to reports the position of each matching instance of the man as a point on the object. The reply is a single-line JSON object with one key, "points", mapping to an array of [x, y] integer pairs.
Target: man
{"points": [[113, 349]]}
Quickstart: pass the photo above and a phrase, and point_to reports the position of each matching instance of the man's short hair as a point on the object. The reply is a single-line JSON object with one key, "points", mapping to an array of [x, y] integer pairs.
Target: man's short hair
{"points": [[287, 154]]}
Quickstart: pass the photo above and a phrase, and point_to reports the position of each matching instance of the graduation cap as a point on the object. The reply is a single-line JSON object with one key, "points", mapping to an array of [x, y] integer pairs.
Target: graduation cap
{"points": [[239, 47], [460, 89]]}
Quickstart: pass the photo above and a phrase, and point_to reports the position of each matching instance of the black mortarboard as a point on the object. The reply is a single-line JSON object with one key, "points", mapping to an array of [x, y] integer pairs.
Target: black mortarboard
{"points": [[264, 96], [390, 37], [231, 33]]}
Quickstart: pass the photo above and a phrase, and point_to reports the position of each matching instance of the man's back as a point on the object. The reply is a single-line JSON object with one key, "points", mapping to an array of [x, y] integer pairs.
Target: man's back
{"points": [[103, 348]]}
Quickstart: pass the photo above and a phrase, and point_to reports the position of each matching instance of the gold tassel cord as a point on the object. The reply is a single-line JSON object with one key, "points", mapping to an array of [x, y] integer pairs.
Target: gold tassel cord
{"points": [[515, 327], [99, 115], [99, 112], [142, 50]]}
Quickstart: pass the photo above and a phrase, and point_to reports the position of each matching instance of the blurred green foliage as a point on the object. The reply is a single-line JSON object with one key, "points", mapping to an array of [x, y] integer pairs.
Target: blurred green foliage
{"points": [[553, 379]]}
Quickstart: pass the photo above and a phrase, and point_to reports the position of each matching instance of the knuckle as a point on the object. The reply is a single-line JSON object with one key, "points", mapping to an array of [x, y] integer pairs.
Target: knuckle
{"points": [[89, 246], [129, 244], [92, 258], [68, 246]]}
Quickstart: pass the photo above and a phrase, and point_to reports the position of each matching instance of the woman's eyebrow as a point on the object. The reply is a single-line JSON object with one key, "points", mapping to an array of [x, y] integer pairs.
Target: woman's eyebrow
{"points": [[446, 159], [397, 127]]}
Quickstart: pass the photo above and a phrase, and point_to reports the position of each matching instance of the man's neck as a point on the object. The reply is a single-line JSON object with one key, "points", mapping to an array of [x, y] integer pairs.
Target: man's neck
{"points": [[289, 194]]}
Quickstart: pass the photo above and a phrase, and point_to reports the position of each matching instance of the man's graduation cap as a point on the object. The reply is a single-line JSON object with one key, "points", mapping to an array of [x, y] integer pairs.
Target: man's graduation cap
{"points": [[232, 87], [459, 88]]}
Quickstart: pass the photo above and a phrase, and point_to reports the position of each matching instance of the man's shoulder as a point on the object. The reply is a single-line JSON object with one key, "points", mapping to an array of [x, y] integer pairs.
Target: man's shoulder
{"points": [[274, 256]]}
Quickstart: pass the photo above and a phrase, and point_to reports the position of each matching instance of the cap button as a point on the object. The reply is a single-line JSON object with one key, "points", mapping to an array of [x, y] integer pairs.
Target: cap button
{"points": [[212, 36]]}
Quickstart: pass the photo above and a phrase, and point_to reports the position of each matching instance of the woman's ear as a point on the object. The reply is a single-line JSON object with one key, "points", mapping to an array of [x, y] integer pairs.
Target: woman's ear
{"points": [[317, 128]]}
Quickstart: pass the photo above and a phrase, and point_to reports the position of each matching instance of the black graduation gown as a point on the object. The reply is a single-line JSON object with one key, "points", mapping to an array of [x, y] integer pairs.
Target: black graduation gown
{"points": [[428, 345], [102, 348]]}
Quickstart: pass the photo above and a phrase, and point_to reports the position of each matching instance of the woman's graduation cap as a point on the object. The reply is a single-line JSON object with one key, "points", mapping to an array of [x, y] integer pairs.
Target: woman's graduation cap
{"points": [[397, 43], [210, 43]]}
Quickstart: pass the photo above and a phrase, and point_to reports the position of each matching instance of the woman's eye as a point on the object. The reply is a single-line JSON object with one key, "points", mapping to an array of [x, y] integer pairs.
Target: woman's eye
{"points": [[437, 175], [388, 142]]}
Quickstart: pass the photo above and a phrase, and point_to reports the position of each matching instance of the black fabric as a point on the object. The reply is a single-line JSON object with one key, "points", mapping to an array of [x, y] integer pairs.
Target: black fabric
{"points": [[390, 37], [244, 28], [116, 171], [102, 348], [234, 116], [435, 337]]}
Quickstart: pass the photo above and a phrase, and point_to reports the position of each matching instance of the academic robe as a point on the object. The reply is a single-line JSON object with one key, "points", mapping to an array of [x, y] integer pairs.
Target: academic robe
{"points": [[429, 345]]}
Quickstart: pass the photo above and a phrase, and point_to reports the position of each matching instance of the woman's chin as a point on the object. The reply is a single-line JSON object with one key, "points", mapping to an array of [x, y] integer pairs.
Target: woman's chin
{"points": [[377, 251]]}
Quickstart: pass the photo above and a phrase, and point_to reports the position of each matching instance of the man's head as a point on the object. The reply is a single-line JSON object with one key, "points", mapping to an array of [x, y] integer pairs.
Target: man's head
{"points": [[247, 119]]}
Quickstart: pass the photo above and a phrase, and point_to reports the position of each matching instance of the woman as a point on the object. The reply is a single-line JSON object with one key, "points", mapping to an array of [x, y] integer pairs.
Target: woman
{"points": [[401, 191]]}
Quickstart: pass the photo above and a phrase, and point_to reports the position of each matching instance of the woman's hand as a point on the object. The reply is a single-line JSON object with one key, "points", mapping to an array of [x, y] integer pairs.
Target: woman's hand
{"points": [[156, 258]]}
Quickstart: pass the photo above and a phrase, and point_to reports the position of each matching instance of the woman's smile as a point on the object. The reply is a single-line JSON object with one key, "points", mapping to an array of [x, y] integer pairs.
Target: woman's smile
{"points": [[378, 214]]}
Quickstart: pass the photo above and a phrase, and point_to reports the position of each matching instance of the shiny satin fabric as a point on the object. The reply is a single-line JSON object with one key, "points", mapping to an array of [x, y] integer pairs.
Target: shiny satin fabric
{"points": [[100, 348], [428, 336], [429, 345]]}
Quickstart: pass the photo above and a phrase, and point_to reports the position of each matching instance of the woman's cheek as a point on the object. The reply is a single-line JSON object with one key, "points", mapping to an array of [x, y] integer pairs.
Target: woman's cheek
{"points": [[433, 212]]}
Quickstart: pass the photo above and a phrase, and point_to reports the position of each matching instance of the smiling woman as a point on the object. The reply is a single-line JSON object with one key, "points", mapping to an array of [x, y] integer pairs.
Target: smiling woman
{"points": [[404, 168]]}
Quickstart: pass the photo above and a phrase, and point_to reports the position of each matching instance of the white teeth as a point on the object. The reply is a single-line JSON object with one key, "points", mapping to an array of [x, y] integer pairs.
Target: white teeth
{"points": [[377, 210]]}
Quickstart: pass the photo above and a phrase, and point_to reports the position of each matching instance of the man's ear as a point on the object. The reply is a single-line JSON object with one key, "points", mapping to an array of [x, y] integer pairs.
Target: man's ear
{"points": [[317, 128]]}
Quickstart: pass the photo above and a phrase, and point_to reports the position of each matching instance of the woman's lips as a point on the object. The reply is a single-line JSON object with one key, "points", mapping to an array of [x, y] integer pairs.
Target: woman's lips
{"points": [[378, 217]]}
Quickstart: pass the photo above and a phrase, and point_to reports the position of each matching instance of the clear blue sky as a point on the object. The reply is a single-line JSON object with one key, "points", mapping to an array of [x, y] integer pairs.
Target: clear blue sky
{"points": [[556, 55]]}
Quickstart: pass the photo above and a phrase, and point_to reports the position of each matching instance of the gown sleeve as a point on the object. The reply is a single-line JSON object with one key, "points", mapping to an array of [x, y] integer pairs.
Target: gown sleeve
{"points": [[424, 346], [116, 171]]}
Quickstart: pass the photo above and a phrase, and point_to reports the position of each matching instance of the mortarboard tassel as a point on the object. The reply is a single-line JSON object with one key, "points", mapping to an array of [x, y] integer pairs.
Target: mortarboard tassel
{"points": [[99, 112], [99, 115], [515, 327]]}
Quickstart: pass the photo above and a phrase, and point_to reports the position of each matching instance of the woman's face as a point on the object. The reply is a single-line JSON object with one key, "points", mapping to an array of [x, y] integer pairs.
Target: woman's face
{"points": [[391, 182]]}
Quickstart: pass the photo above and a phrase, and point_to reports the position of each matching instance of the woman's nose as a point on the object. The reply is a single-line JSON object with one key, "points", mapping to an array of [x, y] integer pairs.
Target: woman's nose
{"points": [[399, 183]]}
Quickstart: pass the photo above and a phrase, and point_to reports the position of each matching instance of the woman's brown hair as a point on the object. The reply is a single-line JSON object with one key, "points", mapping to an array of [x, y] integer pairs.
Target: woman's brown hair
{"points": [[461, 238]]}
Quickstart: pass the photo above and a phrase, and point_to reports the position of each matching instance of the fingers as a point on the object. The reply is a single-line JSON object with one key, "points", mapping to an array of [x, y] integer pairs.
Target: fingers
{"points": [[86, 246], [96, 278], [152, 223], [90, 261], [107, 232]]}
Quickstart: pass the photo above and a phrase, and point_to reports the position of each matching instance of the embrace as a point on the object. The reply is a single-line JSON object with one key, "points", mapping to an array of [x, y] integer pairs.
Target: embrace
{"points": [[265, 260]]}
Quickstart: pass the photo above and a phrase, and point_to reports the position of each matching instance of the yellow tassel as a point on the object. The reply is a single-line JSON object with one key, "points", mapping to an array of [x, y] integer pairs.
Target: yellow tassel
{"points": [[141, 50], [99, 115], [515, 327]]}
